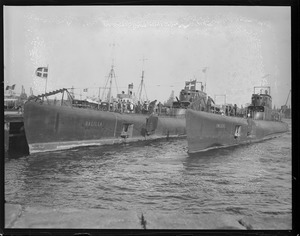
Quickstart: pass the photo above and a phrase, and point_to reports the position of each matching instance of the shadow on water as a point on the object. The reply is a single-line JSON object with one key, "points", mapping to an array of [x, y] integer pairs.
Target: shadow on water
{"points": [[217, 152], [223, 151], [15, 154], [224, 156]]}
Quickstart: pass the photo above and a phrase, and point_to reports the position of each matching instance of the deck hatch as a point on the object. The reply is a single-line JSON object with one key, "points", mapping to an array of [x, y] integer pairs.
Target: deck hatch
{"points": [[127, 130], [237, 132]]}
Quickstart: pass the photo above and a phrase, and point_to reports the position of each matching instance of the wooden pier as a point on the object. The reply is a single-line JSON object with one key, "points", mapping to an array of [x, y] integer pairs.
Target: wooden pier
{"points": [[15, 142]]}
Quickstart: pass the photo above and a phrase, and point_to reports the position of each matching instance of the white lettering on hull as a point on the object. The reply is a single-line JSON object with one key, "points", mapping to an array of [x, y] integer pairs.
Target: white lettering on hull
{"points": [[93, 124], [220, 126]]}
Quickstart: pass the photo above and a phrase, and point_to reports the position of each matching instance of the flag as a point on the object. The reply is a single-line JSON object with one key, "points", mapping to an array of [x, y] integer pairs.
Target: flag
{"points": [[85, 90], [190, 85], [204, 69], [10, 87], [187, 85], [42, 72]]}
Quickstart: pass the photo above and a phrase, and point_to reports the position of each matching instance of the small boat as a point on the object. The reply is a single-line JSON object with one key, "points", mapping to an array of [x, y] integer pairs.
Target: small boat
{"points": [[207, 130]]}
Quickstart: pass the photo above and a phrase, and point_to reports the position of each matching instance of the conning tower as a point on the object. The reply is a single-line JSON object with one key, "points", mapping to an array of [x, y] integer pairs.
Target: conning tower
{"points": [[261, 105], [189, 94]]}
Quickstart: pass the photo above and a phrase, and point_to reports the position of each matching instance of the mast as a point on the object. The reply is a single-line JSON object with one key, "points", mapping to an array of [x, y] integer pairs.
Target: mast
{"points": [[110, 78], [204, 70], [111, 74], [141, 85], [288, 97], [142, 81]]}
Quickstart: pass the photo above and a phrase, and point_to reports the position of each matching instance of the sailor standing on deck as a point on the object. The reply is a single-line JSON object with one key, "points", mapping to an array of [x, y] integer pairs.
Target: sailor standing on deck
{"points": [[208, 105], [145, 107], [119, 106], [131, 107], [234, 109], [159, 107], [152, 106], [123, 106], [138, 107]]}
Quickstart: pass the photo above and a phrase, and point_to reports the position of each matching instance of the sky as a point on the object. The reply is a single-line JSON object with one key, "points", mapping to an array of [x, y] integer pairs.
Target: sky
{"points": [[241, 47]]}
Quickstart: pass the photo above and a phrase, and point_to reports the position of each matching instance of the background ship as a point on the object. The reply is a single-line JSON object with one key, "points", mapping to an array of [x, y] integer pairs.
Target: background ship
{"points": [[209, 130]]}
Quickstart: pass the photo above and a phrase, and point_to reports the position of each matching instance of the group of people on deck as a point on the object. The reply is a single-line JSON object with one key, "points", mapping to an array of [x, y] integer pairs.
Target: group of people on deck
{"points": [[208, 105], [147, 107], [229, 110], [123, 106]]}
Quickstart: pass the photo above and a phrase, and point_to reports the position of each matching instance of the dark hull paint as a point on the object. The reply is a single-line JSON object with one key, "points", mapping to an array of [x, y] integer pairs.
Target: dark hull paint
{"points": [[50, 128], [207, 130]]}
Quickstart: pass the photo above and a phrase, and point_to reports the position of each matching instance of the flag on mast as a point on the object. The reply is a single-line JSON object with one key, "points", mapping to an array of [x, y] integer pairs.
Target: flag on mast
{"points": [[42, 72], [190, 85]]}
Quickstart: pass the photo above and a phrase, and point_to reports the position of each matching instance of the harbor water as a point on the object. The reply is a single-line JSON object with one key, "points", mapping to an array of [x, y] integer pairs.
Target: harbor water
{"points": [[158, 176]]}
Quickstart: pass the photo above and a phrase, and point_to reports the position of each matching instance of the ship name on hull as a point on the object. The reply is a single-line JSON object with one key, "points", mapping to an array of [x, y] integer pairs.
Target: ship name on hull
{"points": [[93, 124]]}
